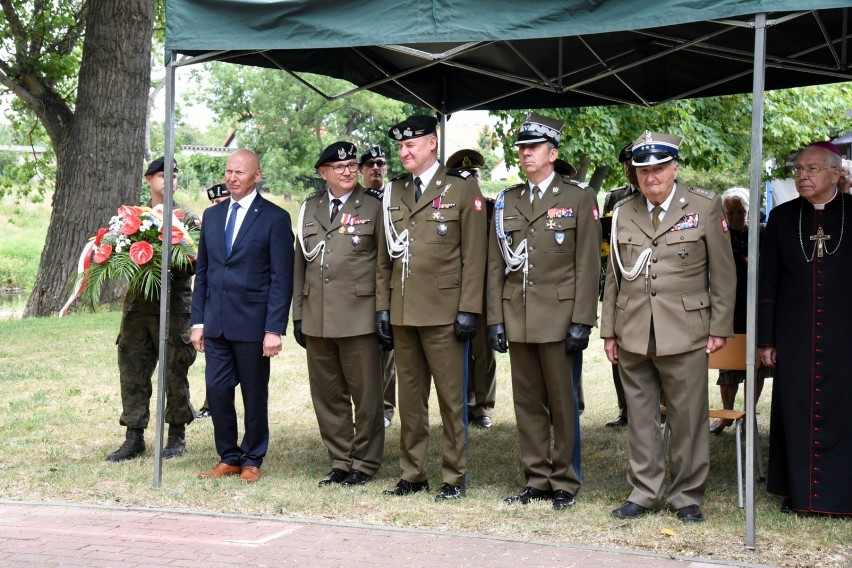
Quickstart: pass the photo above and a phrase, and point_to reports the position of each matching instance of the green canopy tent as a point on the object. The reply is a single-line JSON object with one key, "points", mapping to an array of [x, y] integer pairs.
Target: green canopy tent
{"points": [[463, 54]]}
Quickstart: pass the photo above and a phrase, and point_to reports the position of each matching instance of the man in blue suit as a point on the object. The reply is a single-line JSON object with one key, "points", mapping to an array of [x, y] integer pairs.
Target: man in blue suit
{"points": [[243, 288]]}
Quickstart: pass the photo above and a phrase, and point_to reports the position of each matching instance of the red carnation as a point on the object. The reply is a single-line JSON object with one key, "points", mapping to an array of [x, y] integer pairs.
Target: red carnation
{"points": [[102, 254], [141, 252], [179, 215]]}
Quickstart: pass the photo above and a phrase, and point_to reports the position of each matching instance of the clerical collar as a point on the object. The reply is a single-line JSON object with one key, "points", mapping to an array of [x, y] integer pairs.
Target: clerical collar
{"points": [[821, 206]]}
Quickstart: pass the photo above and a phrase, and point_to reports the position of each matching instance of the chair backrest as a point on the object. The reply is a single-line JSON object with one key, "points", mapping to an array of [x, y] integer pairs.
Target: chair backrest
{"points": [[732, 357]]}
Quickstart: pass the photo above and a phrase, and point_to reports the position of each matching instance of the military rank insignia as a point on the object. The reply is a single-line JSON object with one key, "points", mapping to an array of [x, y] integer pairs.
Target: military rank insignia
{"points": [[688, 221]]}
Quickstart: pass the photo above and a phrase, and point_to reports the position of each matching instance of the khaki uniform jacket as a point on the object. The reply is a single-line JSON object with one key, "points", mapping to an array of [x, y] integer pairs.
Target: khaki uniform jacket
{"points": [[447, 248], [335, 295], [690, 290], [564, 263]]}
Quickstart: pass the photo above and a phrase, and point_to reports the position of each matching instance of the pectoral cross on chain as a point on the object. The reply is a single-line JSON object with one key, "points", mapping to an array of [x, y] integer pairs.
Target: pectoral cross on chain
{"points": [[820, 238]]}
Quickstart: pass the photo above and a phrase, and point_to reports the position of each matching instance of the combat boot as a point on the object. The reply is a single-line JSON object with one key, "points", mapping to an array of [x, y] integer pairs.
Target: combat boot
{"points": [[133, 446], [176, 442]]}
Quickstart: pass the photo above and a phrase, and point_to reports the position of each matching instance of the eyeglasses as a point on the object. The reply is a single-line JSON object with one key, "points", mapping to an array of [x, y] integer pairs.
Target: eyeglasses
{"points": [[340, 168], [810, 171], [375, 164]]}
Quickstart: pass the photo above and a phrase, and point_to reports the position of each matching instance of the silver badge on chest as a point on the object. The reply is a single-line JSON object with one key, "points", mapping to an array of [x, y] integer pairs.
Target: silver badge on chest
{"points": [[559, 237], [356, 240], [442, 229]]}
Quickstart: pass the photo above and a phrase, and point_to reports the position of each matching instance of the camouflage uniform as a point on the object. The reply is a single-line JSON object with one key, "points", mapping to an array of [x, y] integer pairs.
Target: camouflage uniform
{"points": [[138, 350]]}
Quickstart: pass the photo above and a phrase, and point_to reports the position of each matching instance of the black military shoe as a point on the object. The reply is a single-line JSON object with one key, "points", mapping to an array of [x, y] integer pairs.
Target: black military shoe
{"points": [[621, 420], [690, 514], [630, 510], [404, 487], [527, 495], [449, 491], [356, 477], [334, 476], [483, 422], [786, 506], [203, 412], [562, 499], [176, 442], [133, 446]]}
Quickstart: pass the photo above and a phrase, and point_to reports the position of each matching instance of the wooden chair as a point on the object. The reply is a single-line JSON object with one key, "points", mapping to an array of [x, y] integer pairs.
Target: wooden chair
{"points": [[731, 357]]}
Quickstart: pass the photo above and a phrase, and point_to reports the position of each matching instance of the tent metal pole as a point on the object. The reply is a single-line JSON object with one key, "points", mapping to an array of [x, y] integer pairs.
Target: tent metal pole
{"points": [[165, 280], [755, 184]]}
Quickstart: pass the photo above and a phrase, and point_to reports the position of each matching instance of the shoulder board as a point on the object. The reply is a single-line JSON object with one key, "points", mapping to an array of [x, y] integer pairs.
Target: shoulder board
{"points": [[400, 176], [315, 194], [464, 174], [706, 193], [516, 186], [373, 192], [625, 200]]}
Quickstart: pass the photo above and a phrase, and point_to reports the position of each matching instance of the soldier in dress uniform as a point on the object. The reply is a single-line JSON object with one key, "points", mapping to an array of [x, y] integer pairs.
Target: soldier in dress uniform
{"points": [[334, 307], [481, 363], [543, 278], [429, 291], [625, 156], [373, 165], [668, 303]]}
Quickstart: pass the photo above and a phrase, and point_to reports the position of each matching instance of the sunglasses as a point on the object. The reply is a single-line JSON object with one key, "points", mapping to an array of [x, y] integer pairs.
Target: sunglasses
{"points": [[375, 164]]}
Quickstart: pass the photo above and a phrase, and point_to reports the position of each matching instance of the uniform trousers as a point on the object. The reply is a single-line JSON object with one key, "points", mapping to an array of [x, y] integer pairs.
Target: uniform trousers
{"points": [[423, 353], [343, 371], [138, 352], [547, 415], [388, 362], [682, 378], [482, 374]]}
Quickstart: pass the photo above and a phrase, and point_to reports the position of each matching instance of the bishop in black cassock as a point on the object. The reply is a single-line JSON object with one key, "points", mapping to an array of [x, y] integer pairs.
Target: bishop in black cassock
{"points": [[805, 330]]}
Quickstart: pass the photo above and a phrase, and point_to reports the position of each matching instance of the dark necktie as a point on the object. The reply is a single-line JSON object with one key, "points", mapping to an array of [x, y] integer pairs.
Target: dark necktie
{"points": [[418, 189], [229, 227], [335, 208], [536, 197], [655, 216]]}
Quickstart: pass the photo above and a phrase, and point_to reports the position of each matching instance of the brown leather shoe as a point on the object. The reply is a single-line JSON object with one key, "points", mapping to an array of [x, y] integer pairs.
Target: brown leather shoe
{"points": [[221, 470], [250, 474]]}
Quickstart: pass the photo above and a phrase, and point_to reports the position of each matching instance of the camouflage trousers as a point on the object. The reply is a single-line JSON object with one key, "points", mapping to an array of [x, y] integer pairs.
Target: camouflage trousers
{"points": [[138, 352]]}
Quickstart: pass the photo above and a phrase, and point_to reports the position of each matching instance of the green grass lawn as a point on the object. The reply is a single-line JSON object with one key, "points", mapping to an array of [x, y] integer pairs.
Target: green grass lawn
{"points": [[59, 407]]}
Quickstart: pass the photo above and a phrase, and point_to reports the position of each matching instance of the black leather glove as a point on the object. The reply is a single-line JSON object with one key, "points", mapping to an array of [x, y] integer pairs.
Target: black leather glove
{"points": [[578, 338], [298, 335], [465, 326], [497, 338], [383, 329]]}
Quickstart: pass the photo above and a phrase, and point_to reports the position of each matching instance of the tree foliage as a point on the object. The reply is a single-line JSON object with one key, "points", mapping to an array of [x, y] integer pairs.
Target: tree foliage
{"points": [[716, 130], [288, 124], [82, 69]]}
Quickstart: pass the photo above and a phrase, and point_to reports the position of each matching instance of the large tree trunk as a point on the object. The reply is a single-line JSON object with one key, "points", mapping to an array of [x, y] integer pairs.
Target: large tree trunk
{"points": [[99, 152]]}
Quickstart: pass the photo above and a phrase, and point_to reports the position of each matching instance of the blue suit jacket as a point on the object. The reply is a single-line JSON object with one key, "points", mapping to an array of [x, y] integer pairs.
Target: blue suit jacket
{"points": [[242, 296]]}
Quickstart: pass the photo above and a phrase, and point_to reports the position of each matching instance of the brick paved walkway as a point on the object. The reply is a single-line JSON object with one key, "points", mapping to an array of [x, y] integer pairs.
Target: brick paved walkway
{"points": [[44, 534]]}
